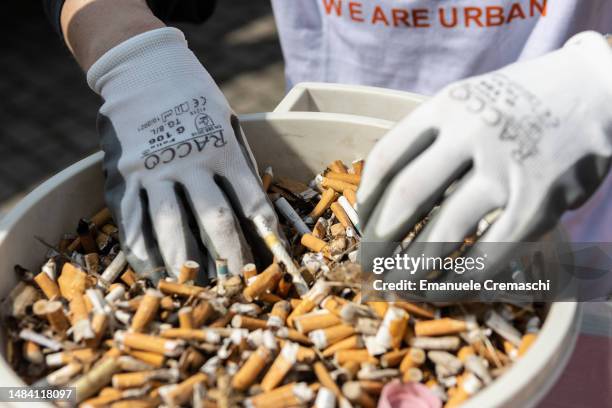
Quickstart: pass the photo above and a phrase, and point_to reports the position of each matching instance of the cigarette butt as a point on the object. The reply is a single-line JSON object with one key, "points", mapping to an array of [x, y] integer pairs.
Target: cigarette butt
{"points": [[179, 289], [526, 342], [102, 217], [99, 324], [325, 398], [320, 228], [132, 380], [492, 355], [178, 394], [280, 367], [436, 343], [136, 403], [353, 391], [372, 387], [86, 235], [469, 386], [353, 342], [464, 352], [354, 355], [412, 374], [54, 312], [326, 337], [95, 379], [81, 326], [189, 272], [113, 270], [351, 197], [333, 304], [337, 185], [116, 291], [284, 285], [380, 308], [328, 197], [289, 395], [129, 277], [358, 166], [341, 215], [346, 177], [392, 329], [246, 376], [48, 286], [351, 368], [248, 271], [159, 345], [337, 166], [266, 179], [293, 335], [221, 269], [147, 310], [393, 358], [314, 244], [72, 281], [185, 315], [263, 282], [33, 353], [201, 313], [326, 379], [84, 355], [279, 313], [63, 375], [249, 323], [309, 301], [223, 321], [156, 360], [440, 327], [209, 336], [415, 357], [317, 320]]}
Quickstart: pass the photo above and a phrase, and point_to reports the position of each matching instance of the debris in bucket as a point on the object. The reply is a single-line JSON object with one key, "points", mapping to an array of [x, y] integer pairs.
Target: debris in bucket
{"points": [[293, 334]]}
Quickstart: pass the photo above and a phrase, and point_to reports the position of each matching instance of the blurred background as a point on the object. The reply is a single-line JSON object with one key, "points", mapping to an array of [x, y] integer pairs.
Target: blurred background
{"points": [[48, 114]]}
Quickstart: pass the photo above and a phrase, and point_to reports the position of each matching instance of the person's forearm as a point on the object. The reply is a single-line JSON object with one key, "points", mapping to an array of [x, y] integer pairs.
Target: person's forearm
{"points": [[92, 27]]}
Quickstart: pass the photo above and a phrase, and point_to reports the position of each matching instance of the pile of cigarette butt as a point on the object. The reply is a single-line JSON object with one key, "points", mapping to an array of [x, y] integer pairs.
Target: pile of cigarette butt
{"points": [[294, 333]]}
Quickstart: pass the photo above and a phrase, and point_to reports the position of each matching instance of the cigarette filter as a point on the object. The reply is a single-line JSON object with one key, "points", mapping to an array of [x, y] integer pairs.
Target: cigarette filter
{"points": [[326, 379], [321, 319], [153, 359], [248, 271], [279, 313], [33, 353], [100, 375], [159, 345], [262, 282], [279, 251], [413, 358], [147, 310], [206, 335], [267, 177], [354, 355], [185, 316], [393, 358], [178, 394], [358, 166], [128, 277], [337, 166], [81, 326], [47, 285], [188, 272], [441, 327], [327, 198], [201, 313], [346, 177], [113, 270], [179, 289], [72, 281], [337, 185], [280, 367], [246, 376], [436, 343], [326, 337], [353, 342], [470, 386], [392, 328], [222, 270], [313, 243]]}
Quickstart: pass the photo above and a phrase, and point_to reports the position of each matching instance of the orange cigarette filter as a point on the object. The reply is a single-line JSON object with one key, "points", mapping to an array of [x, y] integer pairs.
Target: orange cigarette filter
{"points": [[246, 376], [439, 327], [154, 359], [99, 324], [132, 379], [327, 337], [413, 358], [248, 271], [280, 367], [333, 304], [223, 321], [350, 343], [358, 166], [102, 217], [265, 280], [337, 185], [341, 215], [189, 272], [284, 285], [54, 313], [351, 196], [279, 313], [415, 309], [526, 343], [326, 379], [179, 289], [337, 166], [189, 334], [464, 352], [354, 355], [327, 198], [317, 320], [128, 277], [266, 179], [250, 323], [147, 310], [145, 342], [47, 285], [313, 243], [185, 316], [393, 358], [72, 281], [310, 300], [380, 308], [182, 392], [167, 303], [346, 177], [201, 313]]}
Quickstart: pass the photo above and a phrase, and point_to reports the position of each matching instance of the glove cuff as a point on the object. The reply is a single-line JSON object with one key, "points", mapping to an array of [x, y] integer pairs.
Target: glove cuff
{"points": [[155, 55]]}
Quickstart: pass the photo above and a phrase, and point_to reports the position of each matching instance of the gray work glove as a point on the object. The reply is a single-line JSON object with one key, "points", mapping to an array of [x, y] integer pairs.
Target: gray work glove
{"points": [[533, 139], [174, 151]]}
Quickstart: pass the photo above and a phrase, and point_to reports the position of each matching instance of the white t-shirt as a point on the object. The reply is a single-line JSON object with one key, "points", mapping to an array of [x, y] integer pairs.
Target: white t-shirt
{"points": [[423, 45]]}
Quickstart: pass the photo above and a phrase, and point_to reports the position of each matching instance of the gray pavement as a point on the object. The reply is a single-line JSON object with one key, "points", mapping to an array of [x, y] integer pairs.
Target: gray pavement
{"points": [[47, 112]]}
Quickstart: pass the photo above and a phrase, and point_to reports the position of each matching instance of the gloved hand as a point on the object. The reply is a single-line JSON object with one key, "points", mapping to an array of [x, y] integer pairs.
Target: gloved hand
{"points": [[533, 139], [174, 152]]}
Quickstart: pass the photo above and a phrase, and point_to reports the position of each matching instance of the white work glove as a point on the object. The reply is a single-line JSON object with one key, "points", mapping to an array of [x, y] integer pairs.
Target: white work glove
{"points": [[174, 155], [534, 139]]}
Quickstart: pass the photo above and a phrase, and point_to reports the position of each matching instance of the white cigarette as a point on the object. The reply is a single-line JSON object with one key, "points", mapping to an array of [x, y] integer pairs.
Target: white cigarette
{"points": [[291, 215], [114, 269]]}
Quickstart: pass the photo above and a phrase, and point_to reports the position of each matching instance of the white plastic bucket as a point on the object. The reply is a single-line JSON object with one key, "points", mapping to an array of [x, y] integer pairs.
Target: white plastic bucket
{"points": [[297, 144]]}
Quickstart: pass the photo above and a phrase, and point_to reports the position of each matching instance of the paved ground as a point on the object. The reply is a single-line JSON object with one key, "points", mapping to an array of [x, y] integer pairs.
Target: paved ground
{"points": [[47, 112]]}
